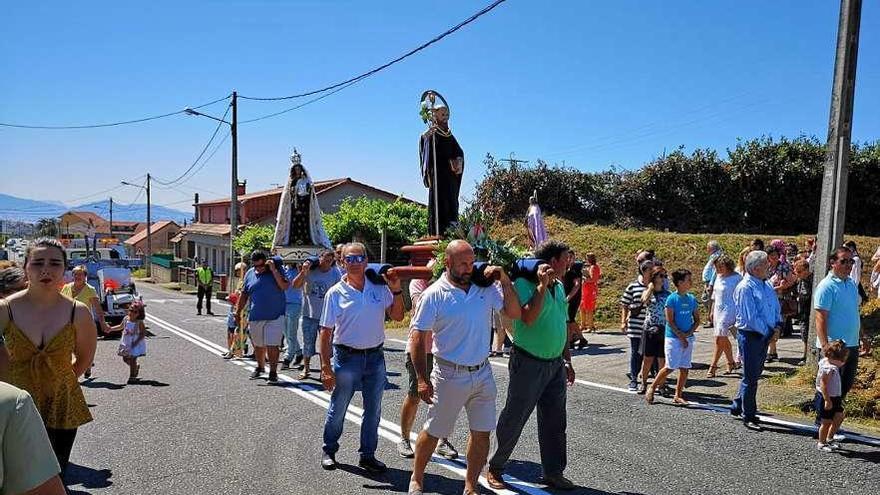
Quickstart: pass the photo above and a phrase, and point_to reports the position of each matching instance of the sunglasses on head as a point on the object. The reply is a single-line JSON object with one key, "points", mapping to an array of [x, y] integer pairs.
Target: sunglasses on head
{"points": [[355, 258]]}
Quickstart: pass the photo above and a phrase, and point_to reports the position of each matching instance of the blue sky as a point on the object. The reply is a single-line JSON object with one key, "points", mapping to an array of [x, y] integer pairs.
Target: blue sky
{"points": [[590, 83]]}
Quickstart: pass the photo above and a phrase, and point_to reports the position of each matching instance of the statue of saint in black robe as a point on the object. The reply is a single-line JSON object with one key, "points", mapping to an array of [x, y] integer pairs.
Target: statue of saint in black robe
{"points": [[442, 195]]}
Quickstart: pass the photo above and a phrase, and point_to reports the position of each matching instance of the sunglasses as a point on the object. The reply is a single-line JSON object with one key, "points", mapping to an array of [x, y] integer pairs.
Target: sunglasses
{"points": [[846, 261], [355, 258]]}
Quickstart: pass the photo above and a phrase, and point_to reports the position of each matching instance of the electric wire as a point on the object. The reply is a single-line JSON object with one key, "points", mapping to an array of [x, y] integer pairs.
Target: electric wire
{"points": [[109, 124], [384, 66]]}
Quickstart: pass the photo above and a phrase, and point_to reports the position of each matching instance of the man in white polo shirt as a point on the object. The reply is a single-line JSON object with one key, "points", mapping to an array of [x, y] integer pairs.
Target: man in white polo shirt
{"points": [[460, 316], [354, 319]]}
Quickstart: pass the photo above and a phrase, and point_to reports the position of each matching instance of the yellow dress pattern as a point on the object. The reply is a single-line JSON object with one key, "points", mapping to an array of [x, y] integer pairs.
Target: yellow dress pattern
{"points": [[46, 373]]}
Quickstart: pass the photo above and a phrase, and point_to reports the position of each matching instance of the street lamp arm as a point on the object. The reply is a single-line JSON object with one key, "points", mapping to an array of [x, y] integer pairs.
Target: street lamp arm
{"points": [[190, 111]]}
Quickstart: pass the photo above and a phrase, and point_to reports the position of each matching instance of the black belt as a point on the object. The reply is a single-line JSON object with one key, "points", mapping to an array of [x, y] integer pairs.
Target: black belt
{"points": [[358, 351], [526, 353]]}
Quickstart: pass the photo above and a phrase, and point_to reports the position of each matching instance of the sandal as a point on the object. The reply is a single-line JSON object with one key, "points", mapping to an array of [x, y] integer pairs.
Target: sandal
{"points": [[649, 396], [680, 402], [305, 375], [712, 371]]}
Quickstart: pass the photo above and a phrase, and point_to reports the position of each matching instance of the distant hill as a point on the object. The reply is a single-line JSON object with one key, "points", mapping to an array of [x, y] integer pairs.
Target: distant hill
{"points": [[31, 210]]}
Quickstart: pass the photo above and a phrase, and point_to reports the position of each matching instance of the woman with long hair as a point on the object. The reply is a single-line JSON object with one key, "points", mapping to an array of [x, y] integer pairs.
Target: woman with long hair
{"points": [[43, 330]]}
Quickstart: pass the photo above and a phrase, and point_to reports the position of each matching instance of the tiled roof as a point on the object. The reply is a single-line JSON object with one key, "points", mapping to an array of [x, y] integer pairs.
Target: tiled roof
{"points": [[156, 227]]}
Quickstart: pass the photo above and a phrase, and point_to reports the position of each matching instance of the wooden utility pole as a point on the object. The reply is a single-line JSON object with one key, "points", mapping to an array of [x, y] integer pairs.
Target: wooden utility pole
{"points": [[233, 205], [149, 258], [111, 217], [832, 209]]}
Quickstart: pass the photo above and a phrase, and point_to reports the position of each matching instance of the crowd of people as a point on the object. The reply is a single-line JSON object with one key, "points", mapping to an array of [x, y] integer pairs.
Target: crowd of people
{"points": [[50, 329], [755, 300]]}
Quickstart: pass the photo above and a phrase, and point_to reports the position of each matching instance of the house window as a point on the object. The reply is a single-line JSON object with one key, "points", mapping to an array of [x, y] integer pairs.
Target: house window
{"points": [[214, 259]]}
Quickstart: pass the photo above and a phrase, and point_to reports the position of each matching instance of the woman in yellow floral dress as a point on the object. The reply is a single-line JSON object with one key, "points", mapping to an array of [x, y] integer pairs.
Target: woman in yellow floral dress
{"points": [[51, 341]]}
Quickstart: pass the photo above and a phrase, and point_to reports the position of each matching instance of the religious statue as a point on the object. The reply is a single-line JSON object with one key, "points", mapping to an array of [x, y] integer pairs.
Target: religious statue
{"points": [[299, 215], [535, 223], [442, 164]]}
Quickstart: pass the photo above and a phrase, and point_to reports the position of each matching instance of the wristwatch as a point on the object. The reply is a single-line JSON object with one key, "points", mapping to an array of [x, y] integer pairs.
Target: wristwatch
{"points": [[397, 292]]}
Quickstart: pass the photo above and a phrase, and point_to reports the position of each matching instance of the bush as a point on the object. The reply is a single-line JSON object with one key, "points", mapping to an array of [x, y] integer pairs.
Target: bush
{"points": [[763, 185], [364, 219], [254, 237]]}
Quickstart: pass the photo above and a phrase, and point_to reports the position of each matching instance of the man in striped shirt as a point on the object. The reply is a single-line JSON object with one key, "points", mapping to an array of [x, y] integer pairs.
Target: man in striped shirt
{"points": [[632, 320]]}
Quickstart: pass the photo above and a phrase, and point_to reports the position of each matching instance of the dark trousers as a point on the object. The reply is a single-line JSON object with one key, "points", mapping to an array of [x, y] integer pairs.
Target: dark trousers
{"points": [[635, 358], [204, 292], [534, 383], [753, 352], [62, 444], [847, 378]]}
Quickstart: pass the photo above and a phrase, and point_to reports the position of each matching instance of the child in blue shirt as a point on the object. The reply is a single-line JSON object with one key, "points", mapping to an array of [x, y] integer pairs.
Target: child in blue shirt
{"points": [[682, 320]]}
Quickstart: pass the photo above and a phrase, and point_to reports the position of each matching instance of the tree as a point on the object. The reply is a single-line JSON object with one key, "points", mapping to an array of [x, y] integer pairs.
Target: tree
{"points": [[364, 219], [254, 237], [47, 227]]}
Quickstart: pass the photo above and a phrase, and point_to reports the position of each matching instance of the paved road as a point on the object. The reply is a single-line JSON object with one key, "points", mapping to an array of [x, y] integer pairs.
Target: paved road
{"points": [[197, 424]]}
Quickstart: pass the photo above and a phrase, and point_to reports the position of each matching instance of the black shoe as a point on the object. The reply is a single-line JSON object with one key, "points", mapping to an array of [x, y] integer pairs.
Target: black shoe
{"points": [[372, 465], [273, 378], [736, 413], [256, 374], [772, 357], [558, 482], [210, 313], [328, 461], [285, 364], [199, 313], [298, 359], [753, 425]]}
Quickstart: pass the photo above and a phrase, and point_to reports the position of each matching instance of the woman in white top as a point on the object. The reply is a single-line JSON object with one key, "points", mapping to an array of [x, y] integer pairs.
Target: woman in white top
{"points": [[724, 313]]}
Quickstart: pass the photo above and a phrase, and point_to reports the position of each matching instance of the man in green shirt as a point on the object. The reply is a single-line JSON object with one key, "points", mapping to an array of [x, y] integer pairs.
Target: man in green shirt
{"points": [[540, 368], [205, 281]]}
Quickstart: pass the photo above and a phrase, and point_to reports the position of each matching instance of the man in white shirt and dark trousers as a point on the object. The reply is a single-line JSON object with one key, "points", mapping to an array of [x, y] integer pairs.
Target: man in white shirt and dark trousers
{"points": [[354, 320], [459, 314]]}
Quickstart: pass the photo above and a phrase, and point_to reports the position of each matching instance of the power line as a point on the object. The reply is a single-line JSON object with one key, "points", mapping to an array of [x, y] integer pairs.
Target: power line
{"points": [[313, 100], [369, 73], [196, 161], [110, 124], [205, 162]]}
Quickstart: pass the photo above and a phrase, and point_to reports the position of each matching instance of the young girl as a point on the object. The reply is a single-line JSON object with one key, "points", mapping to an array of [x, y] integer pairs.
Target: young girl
{"points": [[682, 320], [829, 388], [133, 343], [651, 347]]}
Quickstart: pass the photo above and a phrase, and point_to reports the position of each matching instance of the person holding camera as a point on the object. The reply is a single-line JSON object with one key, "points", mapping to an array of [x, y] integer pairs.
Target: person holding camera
{"points": [[653, 338]]}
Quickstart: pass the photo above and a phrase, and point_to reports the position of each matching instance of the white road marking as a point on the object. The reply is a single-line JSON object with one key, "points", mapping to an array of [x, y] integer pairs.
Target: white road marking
{"points": [[874, 441], [387, 429], [710, 407]]}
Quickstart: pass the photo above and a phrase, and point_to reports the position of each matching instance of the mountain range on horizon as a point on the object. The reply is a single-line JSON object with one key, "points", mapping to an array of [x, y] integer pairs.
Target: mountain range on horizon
{"points": [[31, 210]]}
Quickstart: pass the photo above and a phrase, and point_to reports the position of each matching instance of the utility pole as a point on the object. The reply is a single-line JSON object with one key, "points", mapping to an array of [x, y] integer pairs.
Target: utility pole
{"points": [[832, 209], [111, 217], [149, 232], [233, 205]]}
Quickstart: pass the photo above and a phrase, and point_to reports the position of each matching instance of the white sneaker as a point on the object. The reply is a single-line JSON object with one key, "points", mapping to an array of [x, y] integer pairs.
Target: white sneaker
{"points": [[838, 437], [834, 445], [824, 447]]}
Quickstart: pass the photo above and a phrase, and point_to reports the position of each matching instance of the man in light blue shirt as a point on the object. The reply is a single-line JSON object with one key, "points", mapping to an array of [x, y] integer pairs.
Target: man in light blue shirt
{"points": [[292, 312], [836, 301], [758, 318]]}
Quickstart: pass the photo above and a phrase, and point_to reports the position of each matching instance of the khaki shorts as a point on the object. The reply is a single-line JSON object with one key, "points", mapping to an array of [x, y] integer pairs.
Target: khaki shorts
{"points": [[456, 388], [267, 333]]}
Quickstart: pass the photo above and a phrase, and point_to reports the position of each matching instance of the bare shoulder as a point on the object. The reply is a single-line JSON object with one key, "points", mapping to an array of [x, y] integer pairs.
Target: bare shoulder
{"points": [[82, 315]]}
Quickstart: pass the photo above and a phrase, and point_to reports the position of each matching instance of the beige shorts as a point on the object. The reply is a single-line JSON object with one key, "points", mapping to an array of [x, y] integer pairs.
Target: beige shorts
{"points": [[457, 388], [267, 333]]}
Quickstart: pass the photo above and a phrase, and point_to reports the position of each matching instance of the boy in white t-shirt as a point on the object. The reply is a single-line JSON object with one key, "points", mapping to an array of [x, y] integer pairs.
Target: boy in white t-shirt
{"points": [[829, 387]]}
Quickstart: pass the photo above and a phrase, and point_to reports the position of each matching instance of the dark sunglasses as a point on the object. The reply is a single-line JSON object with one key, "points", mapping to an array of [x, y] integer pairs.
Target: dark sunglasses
{"points": [[355, 258], [846, 261]]}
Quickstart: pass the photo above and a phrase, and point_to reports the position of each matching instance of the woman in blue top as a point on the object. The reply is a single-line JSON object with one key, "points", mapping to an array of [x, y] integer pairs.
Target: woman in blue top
{"points": [[682, 320]]}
